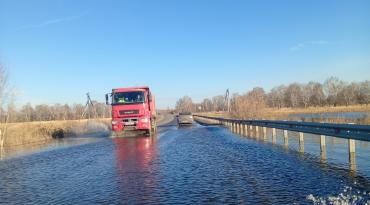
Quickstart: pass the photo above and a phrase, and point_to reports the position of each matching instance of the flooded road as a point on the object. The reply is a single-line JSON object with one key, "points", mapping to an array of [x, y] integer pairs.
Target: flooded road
{"points": [[187, 165]]}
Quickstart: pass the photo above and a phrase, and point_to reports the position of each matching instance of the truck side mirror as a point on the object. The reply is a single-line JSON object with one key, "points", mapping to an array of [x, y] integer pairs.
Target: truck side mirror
{"points": [[106, 99], [150, 97]]}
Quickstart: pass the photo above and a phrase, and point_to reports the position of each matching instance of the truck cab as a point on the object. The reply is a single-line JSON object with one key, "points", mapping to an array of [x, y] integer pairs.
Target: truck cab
{"points": [[132, 109]]}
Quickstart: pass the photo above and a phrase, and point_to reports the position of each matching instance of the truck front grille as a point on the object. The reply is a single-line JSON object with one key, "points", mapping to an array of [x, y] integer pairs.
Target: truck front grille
{"points": [[130, 121], [128, 112]]}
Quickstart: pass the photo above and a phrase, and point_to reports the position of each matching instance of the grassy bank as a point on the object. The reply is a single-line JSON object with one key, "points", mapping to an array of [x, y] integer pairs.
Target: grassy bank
{"points": [[283, 114], [39, 132], [325, 109]]}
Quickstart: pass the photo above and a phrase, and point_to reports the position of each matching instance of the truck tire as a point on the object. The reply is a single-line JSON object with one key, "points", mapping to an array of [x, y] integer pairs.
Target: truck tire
{"points": [[154, 126]]}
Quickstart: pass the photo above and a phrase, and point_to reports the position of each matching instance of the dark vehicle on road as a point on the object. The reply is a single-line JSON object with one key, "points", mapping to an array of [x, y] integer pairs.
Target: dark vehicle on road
{"points": [[185, 118]]}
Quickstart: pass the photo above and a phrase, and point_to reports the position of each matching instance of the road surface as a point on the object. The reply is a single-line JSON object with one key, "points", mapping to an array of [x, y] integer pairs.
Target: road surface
{"points": [[187, 165]]}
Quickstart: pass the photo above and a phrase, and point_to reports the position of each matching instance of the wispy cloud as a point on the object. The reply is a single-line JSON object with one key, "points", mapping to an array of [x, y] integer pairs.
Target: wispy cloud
{"points": [[302, 45], [52, 21]]}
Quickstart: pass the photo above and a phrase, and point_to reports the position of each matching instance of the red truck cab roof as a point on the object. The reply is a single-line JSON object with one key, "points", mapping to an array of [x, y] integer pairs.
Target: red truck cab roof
{"points": [[143, 88]]}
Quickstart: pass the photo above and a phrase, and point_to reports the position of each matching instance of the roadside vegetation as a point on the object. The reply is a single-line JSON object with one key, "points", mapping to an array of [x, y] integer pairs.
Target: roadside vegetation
{"points": [[332, 96], [40, 123]]}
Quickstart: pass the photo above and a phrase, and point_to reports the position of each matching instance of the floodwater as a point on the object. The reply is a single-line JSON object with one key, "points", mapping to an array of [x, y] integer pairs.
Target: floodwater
{"points": [[187, 165]]}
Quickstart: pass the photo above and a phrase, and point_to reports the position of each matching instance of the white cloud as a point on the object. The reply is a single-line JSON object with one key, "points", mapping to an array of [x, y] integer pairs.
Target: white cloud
{"points": [[52, 21], [302, 45]]}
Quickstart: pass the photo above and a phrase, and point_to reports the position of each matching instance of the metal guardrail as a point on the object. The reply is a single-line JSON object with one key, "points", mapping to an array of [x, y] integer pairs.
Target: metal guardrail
{"points": [[347, 131]]}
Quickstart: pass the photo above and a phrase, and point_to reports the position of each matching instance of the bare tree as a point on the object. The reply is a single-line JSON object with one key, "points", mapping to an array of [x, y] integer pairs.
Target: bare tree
{"points": [[207, 105], [78, 110], [348, 95], [249, 105], [333, 86], [3, 94], [185, 104], [307, 92], [276, 96], [28, 113], [318, 96], [364, 92], [218, 103], [12, 111], [293, 95]]}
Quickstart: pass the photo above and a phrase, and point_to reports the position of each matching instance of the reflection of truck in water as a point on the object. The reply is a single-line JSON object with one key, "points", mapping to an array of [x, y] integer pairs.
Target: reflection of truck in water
{"points": [[132, 109]]}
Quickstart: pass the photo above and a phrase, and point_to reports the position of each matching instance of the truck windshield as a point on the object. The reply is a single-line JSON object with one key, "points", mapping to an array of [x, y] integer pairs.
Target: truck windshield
{"points": [[128, 98]]}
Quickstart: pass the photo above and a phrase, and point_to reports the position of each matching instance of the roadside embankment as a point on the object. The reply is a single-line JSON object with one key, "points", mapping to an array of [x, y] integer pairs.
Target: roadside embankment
{"points": [[39, 132], [204, 121], [164, 119]]}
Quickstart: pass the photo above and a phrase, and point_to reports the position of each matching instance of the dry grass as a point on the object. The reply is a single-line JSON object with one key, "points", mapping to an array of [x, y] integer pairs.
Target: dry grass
{"points": [[38, 132], [326, 109], [283, 113]]}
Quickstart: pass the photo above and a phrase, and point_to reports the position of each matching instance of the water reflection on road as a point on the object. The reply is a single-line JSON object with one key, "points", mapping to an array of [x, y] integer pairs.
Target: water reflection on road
{"points": [[136, 173]]}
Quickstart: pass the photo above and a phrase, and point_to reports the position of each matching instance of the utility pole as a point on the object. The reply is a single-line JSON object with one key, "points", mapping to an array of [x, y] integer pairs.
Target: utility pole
{"points": [[88, 106], [227, 101]]}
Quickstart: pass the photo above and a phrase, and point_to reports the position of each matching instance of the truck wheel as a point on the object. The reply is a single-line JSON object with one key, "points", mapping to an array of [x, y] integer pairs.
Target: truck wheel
{"points": [[155, 126]]}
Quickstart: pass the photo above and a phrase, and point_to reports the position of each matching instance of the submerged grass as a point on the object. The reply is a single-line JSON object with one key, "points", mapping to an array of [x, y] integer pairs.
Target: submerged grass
{"points": [[38, 132]]}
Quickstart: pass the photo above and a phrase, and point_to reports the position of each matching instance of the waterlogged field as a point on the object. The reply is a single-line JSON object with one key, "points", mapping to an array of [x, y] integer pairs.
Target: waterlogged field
{"points": [[188, 165]]}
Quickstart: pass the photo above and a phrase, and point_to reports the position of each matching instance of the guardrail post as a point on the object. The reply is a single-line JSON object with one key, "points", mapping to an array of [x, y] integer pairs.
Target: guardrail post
{"points": [[257, 132], [242, 129], [322, 147], [273, 135], [351, 146], [251, 128], [301, 142], [322, 143], [352, 154], [238, 128], [246, 130], [264, 133], [286, 142]]}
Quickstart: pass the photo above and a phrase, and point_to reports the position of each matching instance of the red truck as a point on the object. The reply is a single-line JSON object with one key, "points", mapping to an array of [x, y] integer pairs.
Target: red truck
{"points": [[133, 109]]}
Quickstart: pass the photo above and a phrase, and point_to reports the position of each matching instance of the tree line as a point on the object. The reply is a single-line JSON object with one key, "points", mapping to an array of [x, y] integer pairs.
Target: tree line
{"points": [[333, 92], [44, 112]]}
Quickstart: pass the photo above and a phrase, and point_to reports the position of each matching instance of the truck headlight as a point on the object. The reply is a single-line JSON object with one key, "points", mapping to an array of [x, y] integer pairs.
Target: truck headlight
{"points": [[144, 120], [114, 122]]}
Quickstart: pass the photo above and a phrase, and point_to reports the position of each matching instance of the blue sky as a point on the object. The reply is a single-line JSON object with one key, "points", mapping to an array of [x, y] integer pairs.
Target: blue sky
{"points": [[56, 51]]}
